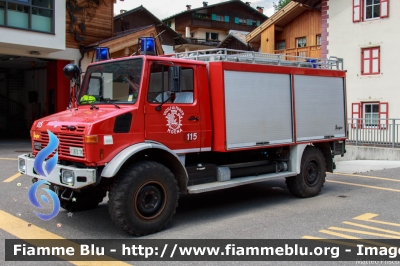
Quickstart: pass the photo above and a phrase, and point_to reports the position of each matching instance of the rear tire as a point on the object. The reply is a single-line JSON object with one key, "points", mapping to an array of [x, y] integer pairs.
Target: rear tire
{"points": [[144, 198], [312, 174]]}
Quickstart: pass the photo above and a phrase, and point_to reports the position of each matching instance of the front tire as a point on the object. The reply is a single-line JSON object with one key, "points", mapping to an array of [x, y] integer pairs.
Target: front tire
{"points": [[144, 198], [312, 174]]}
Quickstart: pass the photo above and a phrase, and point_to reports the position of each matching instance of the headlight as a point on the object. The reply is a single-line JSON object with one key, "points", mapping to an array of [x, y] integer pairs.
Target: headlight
{"points": [[21, 165], [67, 177]]}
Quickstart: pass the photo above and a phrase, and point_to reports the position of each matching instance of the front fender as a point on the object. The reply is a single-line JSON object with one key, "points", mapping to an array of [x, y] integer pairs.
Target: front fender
{"points": [[112, 168]]}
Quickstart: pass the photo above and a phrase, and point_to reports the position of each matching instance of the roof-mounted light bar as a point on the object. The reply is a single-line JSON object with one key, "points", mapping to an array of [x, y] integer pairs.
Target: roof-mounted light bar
{"points": [[147, 46], [102, 53]]}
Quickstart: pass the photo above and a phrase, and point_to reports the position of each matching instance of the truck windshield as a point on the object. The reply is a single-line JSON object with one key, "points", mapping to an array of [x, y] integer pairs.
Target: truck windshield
{"points": [[112, 82]]}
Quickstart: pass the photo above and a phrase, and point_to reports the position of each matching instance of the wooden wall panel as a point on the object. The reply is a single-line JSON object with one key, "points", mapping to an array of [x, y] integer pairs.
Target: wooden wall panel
{"points": [[268, 40], [307, 24], [99, 28]]}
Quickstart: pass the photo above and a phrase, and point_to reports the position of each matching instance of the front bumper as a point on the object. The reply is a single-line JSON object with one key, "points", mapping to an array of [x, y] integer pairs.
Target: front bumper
{"points": [[82, 176]]}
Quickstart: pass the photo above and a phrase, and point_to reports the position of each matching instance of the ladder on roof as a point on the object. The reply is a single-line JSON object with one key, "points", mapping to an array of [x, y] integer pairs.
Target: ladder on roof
{"points": [[225, 54]]}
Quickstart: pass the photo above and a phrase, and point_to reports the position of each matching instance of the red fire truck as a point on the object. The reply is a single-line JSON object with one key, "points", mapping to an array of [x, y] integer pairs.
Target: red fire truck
{"points": [[146, 128]]}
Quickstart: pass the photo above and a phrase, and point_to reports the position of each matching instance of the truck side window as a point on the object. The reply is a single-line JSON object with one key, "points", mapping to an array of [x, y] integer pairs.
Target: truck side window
{"points": [[156, 93]]}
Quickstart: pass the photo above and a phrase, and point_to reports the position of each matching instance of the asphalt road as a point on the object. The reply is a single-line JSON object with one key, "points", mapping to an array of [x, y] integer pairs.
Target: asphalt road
{"points": [[361, 205]]}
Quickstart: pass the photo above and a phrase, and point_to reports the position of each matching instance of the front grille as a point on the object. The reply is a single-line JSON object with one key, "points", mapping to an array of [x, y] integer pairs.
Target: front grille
{"points": [[66, 141]]}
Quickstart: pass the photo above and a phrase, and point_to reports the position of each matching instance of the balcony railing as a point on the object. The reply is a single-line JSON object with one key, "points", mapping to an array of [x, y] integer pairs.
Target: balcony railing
{"points": [[374, 132], [202, 41], [308, 51]]}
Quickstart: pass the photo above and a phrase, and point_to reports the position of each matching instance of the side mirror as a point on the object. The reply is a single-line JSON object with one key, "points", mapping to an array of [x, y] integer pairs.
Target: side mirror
{"points": [[72, 72], [175, 78]]}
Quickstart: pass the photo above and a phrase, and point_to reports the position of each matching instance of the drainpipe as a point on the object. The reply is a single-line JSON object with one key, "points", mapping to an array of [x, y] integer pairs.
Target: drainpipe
{"points": [[84, 50]]}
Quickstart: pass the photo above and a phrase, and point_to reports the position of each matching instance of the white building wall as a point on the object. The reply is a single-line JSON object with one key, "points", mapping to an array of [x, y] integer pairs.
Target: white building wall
{"points": [[50, 46], [25, 40], [346, 39]]}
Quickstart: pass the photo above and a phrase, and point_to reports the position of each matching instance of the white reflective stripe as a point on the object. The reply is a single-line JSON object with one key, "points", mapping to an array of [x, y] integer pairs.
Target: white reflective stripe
{"points": [[206, 149], [340, 135], [320, 137], [280, 141], [252, 144], [187, 150], [310, 138], [241, 145]]}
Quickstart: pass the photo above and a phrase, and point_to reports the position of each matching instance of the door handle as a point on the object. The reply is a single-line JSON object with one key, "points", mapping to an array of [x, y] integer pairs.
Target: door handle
{"points": [[193, 118]]}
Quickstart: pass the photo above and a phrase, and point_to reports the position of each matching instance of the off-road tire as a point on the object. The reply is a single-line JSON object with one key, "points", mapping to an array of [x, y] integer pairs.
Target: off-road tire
{"points": [[143, 198], [82, 201], [312, 174]]}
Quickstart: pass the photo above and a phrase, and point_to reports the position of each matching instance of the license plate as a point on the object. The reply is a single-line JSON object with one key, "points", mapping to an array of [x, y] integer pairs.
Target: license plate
{"points": [[76, 151]]}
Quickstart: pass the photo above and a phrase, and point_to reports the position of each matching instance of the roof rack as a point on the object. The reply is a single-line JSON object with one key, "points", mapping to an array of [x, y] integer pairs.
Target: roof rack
{"points": [[225, 54]]}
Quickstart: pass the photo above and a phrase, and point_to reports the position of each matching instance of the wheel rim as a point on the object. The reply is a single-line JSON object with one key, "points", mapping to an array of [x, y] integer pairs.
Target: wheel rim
{"points": [[150, 200], [312, 173]]}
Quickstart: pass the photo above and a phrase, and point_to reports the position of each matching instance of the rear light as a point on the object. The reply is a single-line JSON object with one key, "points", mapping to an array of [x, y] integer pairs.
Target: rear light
{"points": [[91, 139]]}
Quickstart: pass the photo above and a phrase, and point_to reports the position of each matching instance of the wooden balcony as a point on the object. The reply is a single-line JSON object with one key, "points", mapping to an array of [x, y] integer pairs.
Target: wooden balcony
{"points": [[308, 51], [203, 41]]}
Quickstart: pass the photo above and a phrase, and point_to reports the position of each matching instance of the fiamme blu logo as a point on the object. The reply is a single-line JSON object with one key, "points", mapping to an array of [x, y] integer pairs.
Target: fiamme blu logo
{"points": [[49, 165]]}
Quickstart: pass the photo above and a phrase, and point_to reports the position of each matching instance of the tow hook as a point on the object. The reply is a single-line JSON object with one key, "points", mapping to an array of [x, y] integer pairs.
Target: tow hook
{"points": [[64, 194]]}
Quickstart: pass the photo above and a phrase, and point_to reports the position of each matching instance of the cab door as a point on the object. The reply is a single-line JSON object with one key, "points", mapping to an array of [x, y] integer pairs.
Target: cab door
{"points": [[173, 117]]}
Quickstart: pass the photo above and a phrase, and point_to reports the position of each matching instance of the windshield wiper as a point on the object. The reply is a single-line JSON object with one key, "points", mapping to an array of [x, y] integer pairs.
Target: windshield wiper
{"points": [[110, 101], [93, 106]]}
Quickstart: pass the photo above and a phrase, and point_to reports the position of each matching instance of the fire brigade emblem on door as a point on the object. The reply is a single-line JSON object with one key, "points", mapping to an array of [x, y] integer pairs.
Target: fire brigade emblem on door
{"points": [[174, 116]]}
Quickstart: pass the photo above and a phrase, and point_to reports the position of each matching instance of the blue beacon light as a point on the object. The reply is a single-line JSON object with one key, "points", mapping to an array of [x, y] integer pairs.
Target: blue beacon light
{"points": [[147, 46], [102, 53]]}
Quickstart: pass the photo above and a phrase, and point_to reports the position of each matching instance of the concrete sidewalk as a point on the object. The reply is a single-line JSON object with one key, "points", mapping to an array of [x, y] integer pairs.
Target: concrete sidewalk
{"points": [[360, 166]]}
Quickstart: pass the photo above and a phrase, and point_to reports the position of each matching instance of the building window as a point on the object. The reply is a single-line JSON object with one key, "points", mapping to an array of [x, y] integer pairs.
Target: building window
{"points": [[219, 18], [201, 16], [370, 114], [2, 8], [370, 61], [370, 9], [281, 45], [169, 23], [301, 42], [319, 39], [242, 21], [211, 36], [34, 15]]}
